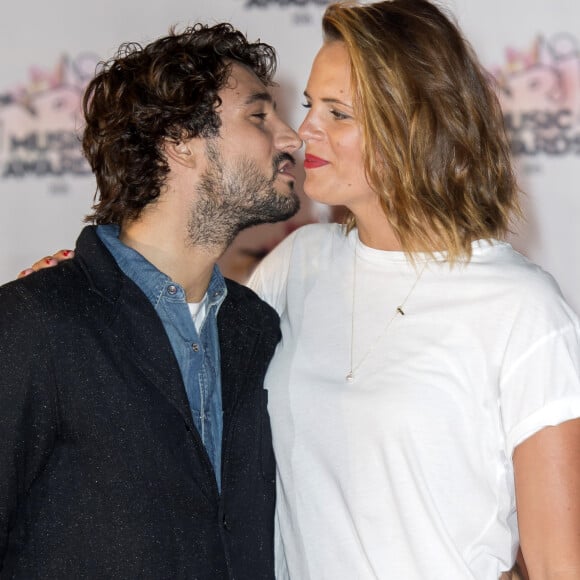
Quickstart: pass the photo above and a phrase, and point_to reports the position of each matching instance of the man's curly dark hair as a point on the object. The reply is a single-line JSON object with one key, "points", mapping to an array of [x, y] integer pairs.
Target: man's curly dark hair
{"points": [[167, 90]]}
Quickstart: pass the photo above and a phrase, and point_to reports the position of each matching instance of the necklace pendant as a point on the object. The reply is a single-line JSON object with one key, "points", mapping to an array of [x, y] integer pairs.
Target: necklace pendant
{"points": [[350, 377]]}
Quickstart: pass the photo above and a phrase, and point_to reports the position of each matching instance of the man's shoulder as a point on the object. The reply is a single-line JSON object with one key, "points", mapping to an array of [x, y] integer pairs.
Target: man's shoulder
{"points": [[30, 305], [241, 295], [67, 285], [243, 302], [40, 286]]}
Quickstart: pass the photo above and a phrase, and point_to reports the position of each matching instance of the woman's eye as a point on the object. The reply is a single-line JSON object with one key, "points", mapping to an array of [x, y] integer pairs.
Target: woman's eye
{"points": [[339, 115], [307, 105]]}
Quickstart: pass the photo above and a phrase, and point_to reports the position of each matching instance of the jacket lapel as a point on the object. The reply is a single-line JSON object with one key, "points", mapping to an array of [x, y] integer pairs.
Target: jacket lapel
{"points": [[142, 337], [238, 340], [137, 334]]}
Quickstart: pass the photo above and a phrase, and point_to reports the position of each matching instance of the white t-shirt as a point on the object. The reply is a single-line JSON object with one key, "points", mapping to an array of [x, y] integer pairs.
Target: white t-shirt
{"points": [[406, 473], [198, 311]]}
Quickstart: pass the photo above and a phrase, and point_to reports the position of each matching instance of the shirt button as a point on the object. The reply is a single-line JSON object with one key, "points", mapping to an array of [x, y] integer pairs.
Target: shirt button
{"points": [[172, 289], [195, 347]]}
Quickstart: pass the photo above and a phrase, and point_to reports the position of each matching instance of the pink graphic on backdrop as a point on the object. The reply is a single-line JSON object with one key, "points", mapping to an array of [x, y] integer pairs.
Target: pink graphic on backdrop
{"points": [[539, 88], [40, 121]]}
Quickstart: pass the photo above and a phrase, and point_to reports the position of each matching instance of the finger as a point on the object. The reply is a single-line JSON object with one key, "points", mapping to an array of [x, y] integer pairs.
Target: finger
{"points": [[46, 262], [25, 273], [63, 255]]}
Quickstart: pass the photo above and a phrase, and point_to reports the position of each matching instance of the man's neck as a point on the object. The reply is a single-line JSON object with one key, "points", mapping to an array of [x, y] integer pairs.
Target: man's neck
{"points": [[189, 266]]}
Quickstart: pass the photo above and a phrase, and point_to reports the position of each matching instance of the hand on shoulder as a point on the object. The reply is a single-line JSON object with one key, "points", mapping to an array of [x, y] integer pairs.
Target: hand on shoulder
{"points": [[47, 262]]}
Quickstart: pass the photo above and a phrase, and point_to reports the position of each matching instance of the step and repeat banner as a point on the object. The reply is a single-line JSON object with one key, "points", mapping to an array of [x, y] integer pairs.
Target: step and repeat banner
{"points": [[49, 51]]}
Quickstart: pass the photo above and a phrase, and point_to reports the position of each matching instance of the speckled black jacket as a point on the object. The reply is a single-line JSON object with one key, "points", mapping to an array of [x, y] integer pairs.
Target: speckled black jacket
{"points": [[102, 472]]}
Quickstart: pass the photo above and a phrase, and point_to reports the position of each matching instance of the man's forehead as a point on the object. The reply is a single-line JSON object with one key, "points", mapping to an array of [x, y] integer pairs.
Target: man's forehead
{"points": [[243, 87]]}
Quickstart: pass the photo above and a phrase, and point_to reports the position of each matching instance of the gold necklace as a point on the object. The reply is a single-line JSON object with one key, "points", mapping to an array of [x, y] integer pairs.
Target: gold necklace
{"points": [[399, 311]]}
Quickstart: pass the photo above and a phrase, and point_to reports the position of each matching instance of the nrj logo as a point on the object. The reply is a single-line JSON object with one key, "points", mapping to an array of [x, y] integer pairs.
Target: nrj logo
{"points": [[39, 121], [539, 90]]}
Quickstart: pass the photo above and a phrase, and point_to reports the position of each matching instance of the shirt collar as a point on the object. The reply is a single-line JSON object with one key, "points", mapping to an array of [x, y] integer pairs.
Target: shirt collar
{"points": [[152, 281]]}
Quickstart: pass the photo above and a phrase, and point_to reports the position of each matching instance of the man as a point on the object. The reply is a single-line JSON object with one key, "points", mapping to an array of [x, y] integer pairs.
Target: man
{"points": [[134, 435]]}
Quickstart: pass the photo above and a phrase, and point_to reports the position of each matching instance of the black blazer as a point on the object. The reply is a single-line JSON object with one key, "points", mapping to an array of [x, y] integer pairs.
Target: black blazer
{"points": [[102, 472]]}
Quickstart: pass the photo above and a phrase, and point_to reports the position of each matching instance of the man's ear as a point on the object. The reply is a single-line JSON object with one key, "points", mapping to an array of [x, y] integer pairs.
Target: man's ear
{"points": [[184, 153]]}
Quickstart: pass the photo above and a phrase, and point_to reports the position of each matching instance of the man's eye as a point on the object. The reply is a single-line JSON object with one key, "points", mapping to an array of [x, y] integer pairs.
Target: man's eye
{"points": [[260, 115]]}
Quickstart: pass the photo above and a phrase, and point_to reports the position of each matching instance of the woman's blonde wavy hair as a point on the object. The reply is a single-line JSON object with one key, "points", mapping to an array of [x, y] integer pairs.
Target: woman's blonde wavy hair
{"points": [[435, 147]]}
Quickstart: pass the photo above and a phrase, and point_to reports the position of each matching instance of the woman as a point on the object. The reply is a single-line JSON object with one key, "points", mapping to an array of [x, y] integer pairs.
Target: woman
{"points": [[428, 376]]}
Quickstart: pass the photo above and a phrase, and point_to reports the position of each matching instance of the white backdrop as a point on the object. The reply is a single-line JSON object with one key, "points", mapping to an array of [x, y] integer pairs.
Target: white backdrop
{"points": [[48, 50]]}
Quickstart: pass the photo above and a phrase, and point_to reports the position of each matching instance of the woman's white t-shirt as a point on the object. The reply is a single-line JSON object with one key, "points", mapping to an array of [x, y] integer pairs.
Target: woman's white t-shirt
{"points": [[406, 473]]}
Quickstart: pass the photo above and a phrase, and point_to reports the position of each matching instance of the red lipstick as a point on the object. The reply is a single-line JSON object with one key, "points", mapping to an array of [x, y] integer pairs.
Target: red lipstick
{"points": [[312, 162]]}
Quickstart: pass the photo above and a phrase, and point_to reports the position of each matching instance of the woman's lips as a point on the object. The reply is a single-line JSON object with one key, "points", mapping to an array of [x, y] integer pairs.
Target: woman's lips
{"points": [[312, 162]]}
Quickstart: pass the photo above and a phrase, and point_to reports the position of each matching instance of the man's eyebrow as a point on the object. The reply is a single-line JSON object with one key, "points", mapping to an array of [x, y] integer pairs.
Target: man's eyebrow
{"points": [[330, 100], [264, 96]]}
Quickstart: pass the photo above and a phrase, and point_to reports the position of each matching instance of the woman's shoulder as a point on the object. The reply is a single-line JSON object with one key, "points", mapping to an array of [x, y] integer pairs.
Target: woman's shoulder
{"points": [[526, 285], [297, 257], [512, 268], [318, 232], [308, 239]]}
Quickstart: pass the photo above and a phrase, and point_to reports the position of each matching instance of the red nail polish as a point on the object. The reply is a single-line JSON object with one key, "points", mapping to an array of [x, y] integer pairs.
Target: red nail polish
{"points": [[48, 260], [66, 253]]}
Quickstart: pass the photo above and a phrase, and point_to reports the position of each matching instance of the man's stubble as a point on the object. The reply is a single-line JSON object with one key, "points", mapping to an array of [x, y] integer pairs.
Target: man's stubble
{"points": [[229, 200]]}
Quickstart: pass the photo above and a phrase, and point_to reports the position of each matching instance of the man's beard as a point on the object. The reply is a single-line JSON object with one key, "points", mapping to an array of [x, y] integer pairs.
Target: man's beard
{"points": [[232, 199]]}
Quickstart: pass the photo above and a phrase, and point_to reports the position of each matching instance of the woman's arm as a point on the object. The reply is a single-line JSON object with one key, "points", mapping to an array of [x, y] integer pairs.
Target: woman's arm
{"points": [[547, 479]]}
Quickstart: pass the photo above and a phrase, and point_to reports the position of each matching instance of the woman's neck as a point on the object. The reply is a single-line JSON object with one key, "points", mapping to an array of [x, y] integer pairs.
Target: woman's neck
{"points": [[374, 229]]}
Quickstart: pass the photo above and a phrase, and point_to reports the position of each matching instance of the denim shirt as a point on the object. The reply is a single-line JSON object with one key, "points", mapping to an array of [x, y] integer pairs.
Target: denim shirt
{"points": [[197, 353]]}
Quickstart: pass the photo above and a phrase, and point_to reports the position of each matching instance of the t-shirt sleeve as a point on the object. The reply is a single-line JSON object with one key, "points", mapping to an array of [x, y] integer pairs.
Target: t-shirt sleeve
{"points": [[540, 382], [269, 280]]}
